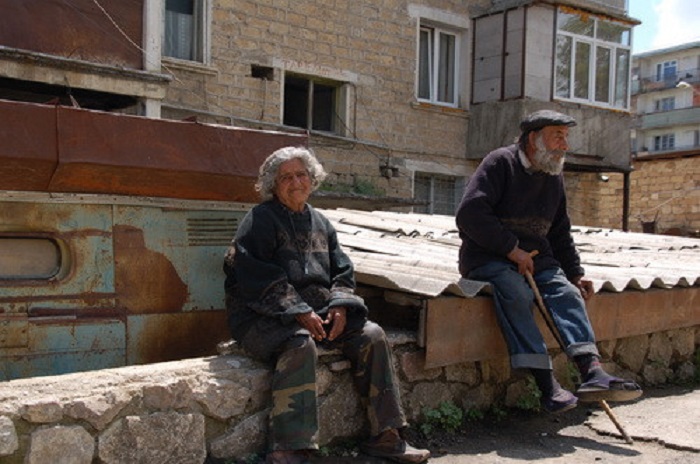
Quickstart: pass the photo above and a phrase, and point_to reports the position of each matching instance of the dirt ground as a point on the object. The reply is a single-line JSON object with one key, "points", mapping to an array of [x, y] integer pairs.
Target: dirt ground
{"points": [[552, 439], [568, 438]]}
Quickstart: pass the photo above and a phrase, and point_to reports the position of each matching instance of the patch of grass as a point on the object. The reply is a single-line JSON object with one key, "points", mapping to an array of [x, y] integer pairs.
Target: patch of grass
{"points": [[475, 415], [447, 417], [497, 413], [530, 400]]}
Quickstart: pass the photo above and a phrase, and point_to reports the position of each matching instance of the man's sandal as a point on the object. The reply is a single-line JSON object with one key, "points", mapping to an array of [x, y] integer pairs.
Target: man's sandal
{"points": [[608, 389]]}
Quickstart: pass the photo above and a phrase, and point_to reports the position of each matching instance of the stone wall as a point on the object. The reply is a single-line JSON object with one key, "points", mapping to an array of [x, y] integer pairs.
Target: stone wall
{"points": [[669, 187], [182, 412]]}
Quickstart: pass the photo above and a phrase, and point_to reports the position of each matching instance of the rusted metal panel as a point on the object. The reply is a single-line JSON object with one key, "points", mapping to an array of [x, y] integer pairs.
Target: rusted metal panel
{"points": [[86, 277], [465, 329], [170, 260], [13, 331], [118, 154], [28, 155], [59, 346], [61, 149], [168, 337], [77, 29], [141, 281]]}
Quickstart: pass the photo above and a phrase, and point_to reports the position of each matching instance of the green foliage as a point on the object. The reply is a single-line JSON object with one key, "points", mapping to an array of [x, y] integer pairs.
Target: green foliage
{"points": [[359, 187], [530, 400], [250, 459], [365, 187], [447, 416], [497, 413], [573, 373], [475, 415]]}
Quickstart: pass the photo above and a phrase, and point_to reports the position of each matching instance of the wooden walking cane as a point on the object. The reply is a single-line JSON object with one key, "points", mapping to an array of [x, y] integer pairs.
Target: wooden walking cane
{"points": [[555, 333]]}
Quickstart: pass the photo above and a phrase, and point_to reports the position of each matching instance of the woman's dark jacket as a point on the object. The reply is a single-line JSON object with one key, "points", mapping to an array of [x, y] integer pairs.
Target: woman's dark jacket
{"points": [[283, 263]]}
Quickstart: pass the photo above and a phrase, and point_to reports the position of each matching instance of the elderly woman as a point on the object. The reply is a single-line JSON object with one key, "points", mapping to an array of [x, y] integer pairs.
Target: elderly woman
{"points": [[289, 287]]}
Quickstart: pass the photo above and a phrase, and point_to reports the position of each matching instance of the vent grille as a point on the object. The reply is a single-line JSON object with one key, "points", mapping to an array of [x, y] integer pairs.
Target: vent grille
{"points": [[210, 231]]}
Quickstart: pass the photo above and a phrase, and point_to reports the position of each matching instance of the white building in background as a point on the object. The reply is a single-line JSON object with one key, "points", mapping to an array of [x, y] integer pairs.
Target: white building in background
{"points": [[666, 98]]}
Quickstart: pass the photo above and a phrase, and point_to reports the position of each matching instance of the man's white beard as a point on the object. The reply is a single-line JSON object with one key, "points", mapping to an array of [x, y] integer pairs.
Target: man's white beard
{"points": [[548, 161]]}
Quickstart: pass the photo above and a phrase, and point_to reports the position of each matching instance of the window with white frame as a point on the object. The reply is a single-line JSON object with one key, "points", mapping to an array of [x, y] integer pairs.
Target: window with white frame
{"points": [[438, 65], [185, 29], [592, 60], [439, 191], [314, 103], [664, 142], [665, 104], [667, 71]]}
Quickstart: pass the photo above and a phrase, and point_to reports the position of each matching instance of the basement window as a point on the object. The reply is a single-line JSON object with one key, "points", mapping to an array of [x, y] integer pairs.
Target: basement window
{"points": [[440, 191], [29, 258]]}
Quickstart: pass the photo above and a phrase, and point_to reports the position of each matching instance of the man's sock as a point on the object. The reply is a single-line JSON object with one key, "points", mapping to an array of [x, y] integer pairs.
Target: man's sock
{"points": [[544, 380], [589, 366]]}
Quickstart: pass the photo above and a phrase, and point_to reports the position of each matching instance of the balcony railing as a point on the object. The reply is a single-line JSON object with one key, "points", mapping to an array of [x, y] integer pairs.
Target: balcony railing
{"points": [[645, 151], [652, 84], [680, 117]]}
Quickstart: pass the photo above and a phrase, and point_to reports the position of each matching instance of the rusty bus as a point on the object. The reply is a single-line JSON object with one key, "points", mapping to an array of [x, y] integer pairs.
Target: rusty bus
{"points": [[112, 233]]}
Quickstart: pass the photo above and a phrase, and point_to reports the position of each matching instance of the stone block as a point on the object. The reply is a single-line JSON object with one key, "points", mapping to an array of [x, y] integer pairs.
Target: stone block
{"points": [[683, 343], [245, 438], [660, 349], [171, 395], [656, 374], [160, 438], [425, 395], [9, 443], [100, 410], [43, 412], [412, 365], [340, 413], [464, 373], [631, 352], [61, 445]]}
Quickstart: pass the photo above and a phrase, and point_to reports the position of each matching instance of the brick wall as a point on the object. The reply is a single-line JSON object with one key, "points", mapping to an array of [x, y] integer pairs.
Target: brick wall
{"points": [[368, 44]]}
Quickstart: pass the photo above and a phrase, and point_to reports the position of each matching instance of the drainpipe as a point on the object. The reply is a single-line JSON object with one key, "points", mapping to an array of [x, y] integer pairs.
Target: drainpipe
{"points": [[625, 201]]}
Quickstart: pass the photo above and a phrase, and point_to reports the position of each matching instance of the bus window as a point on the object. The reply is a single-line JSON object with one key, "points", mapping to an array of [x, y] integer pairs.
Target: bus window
{"points": [[29, 258]]}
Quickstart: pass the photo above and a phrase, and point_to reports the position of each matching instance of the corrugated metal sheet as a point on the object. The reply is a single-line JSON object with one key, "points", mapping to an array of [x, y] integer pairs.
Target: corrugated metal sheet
{"points": [[418, 254]]}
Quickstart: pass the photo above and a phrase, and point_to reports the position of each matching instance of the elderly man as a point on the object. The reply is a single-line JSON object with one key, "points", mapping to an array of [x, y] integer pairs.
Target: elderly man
{"points": [[515, 205]]}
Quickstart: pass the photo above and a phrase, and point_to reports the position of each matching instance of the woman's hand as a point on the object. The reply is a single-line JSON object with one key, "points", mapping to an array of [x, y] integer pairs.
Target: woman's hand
{"points": [[313, 323], [337, 318]]}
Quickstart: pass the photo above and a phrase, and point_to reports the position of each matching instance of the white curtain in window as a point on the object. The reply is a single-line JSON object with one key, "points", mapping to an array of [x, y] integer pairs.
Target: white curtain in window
{"points": [[179, 32]]}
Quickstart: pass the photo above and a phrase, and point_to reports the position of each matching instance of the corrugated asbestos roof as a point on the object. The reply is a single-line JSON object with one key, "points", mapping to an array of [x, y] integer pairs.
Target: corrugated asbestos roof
{"points": [[417, 253]]}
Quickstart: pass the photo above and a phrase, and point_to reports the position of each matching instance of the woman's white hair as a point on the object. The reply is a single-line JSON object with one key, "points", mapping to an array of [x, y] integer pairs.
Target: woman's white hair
{"points": [[267, 177]]}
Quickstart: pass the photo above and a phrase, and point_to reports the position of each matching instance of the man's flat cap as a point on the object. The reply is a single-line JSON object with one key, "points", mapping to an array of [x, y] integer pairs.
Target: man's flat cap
{"points": [[543, 118]]}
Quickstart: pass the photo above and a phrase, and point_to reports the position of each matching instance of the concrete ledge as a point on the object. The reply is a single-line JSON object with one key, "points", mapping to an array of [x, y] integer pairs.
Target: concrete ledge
{"points": [[187, 410]]}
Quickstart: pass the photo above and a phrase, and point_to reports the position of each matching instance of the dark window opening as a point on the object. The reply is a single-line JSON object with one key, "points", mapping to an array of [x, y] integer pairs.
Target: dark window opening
{"points": [[310, 104]]}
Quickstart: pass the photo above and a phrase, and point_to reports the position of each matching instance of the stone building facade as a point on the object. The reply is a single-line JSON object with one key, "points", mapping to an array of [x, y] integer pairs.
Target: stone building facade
{"points": [[400, 99]]}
